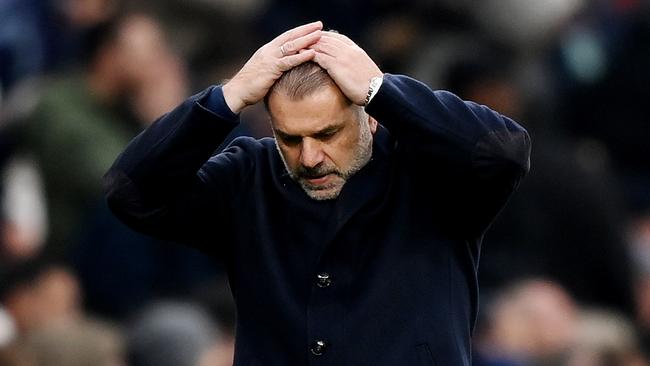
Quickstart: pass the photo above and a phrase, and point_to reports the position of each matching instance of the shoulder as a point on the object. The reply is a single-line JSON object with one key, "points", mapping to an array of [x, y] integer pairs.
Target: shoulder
{"points": [[246, 151], [253, 145], [245, 159]]}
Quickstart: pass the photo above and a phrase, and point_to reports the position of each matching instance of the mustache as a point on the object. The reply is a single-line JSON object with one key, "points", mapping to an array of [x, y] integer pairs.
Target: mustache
{"points": [[315, 172]]}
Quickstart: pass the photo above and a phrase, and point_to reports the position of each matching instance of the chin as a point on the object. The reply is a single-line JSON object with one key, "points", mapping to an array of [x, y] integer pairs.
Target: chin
{"points": [[322, 194], [325, 192]]}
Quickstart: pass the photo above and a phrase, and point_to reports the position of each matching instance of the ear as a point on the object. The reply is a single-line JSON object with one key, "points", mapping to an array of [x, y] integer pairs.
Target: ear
{"points": [[373, 124]]}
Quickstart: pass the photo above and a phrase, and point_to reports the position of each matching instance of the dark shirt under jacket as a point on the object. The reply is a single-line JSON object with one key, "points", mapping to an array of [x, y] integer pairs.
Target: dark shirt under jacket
{"points": [[383, 275]]}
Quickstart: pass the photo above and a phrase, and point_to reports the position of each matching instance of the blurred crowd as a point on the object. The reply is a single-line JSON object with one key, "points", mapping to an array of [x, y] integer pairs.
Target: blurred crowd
{"points": [[565, 270]]}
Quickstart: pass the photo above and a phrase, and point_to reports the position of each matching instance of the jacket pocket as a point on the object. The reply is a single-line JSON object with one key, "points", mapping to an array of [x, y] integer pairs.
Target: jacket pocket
{"points": [[425, 358]]}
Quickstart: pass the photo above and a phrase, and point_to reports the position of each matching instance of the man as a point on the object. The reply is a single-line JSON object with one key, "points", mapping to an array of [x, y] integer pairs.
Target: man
{"points": [[346, 242], [79, 126]]}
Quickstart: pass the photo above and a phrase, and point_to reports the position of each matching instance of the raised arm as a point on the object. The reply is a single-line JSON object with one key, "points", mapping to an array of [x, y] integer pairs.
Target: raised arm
{"points": [[162, 185], [475, 154], [166, 184]]}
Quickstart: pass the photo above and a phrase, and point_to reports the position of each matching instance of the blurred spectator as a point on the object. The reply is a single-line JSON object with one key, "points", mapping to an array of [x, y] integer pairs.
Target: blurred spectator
{"points": [[38, 293], [154, 79], [565, 221], [75, 133], [177, 334], [532, 322], [82, 343], [80, 124], [604, 85], [38, 36], [605, 339], [69, 22]]}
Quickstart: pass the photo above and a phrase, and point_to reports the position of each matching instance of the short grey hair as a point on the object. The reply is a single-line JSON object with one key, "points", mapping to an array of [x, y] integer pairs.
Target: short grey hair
{"points": [[300, 81]]}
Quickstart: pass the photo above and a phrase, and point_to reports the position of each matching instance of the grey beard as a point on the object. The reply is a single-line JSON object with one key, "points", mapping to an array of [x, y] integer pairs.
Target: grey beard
{"points": [[362, 155]]}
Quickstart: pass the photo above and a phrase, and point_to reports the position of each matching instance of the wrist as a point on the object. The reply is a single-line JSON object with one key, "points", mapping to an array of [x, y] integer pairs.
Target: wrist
{"points": [[373, 87], [234, 102], [215, 102]]}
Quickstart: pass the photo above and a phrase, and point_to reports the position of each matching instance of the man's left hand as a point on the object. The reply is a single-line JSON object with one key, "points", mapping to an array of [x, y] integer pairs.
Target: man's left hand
{"points": [[348, 64]]}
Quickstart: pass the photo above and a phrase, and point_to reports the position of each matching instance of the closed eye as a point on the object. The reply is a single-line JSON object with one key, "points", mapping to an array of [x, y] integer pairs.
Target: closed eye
{"points": [[327, 134], [289, 139]]}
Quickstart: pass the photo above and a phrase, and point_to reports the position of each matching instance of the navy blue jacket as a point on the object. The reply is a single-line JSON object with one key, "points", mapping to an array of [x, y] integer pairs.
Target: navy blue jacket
{"points": [[383, 275]]}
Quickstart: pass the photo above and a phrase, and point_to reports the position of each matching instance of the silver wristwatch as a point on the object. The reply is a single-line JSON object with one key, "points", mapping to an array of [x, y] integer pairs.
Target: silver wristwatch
{"points": [[375, 84]]}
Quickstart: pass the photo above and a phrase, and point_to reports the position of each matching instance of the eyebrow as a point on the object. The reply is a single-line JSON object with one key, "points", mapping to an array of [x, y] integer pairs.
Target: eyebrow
{"points": [[329, 129]]}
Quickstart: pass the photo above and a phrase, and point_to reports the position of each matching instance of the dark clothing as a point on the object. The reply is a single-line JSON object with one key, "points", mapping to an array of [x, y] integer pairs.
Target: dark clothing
{"points": [[397, 251]]}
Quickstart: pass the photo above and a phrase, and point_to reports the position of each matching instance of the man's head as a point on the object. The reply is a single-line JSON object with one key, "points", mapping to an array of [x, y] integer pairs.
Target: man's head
{"points": [[323, 138], [127, 56]]}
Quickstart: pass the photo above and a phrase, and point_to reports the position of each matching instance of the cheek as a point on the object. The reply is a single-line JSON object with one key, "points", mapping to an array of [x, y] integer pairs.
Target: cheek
{"points": [[291, 156], [342, 150]]}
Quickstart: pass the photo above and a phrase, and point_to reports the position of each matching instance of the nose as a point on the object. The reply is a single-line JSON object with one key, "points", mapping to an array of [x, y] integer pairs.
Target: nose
{"points": [[311, 153]]}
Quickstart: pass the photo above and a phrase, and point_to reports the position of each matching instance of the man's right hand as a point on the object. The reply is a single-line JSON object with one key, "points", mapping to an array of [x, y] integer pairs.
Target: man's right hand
{"points": [[267, 64]]}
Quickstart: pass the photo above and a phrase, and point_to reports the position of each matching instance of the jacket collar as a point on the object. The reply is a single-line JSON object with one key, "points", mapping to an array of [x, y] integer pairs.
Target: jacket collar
{"points": [[368, 187]]}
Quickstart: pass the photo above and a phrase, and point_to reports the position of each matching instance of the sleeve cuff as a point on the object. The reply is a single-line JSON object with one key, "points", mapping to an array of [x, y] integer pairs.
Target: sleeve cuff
{"points": [[215, 103]]}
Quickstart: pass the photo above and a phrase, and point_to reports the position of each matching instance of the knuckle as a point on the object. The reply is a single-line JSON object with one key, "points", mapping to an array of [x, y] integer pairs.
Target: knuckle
{"points": [[282, 65], [262, 51], [289, 46]]}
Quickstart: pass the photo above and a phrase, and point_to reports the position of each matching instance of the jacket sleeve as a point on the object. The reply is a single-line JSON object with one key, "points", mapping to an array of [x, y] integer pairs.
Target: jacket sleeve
{"points": [[476, 155], [167, 185]]}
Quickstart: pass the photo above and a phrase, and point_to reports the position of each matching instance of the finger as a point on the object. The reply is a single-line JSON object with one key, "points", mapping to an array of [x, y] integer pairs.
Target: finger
{"points": [[289, 62], [324, 60], [340, 37], [298, 44], [294, 33], [330, 46], [334, 42], [324, 48]]}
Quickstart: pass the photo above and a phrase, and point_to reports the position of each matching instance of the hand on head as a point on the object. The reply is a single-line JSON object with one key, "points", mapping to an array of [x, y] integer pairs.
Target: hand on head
{"points": [[267, 64], [348, 65]]}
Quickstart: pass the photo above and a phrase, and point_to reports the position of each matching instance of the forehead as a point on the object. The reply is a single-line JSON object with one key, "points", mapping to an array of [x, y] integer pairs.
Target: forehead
{"points": [[325, 107]]}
